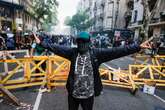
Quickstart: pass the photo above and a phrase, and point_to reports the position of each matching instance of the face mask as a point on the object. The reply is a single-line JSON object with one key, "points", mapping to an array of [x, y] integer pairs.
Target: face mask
{"points": [[83, 47]]}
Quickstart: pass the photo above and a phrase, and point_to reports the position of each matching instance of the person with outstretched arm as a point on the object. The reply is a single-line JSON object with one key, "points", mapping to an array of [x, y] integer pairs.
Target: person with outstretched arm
{"points": [[84, 81]]}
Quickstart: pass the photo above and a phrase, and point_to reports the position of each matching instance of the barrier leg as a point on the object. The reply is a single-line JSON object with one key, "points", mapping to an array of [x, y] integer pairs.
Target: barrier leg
{"points": [[10, 95], [134, 88], [49, 72]]}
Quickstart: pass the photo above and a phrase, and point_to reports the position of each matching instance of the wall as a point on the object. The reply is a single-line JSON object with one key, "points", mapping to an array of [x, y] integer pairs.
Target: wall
{"points": [[120, 23], [108, 22]]}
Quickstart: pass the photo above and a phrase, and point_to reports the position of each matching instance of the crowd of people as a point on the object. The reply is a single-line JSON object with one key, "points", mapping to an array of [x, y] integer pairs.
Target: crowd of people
{"points": [[20, 40], [101, 41], [11, 41]]}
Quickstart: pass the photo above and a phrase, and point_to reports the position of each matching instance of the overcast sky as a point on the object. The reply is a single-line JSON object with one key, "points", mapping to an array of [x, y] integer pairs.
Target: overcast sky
{"points": [[66, 8]]}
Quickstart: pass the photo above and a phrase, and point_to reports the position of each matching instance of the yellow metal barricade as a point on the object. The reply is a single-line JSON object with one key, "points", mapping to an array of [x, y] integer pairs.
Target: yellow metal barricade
{"points": [[12, 55], [57, 68], [147, 59], [151, 69], [33, 72], [147, 73], [15, 79], [117, 78]]}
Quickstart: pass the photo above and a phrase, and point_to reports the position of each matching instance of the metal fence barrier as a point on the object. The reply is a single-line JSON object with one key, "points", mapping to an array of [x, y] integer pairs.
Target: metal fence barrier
{"points": [[52, 71], [33, 72]]}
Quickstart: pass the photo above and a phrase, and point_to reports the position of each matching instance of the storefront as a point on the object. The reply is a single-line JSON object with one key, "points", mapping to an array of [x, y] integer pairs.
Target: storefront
{"points": [[7, 15]]}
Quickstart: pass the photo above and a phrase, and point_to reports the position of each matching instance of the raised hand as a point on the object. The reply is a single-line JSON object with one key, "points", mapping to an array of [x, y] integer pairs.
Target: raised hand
{"points": [[38, 41], [147, 44]]}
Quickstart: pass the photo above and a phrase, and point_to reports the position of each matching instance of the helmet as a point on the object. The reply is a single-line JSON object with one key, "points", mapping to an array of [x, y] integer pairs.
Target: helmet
{"points": [[85, 36]]}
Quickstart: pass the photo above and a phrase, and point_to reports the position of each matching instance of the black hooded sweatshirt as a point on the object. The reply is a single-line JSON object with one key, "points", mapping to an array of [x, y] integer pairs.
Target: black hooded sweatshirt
{"points": [[98, 56]]}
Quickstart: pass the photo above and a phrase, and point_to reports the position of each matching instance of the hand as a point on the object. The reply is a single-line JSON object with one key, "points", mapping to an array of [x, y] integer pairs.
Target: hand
{"points": [[146, 45], [38, 41]]}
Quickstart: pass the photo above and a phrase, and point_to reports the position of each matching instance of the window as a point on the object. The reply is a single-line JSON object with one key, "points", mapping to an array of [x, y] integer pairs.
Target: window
{"points": [[109, 22], [135, 16]]}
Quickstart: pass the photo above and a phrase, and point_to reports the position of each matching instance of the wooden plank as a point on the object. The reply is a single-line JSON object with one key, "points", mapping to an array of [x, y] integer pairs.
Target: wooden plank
{"points": [[10, 95]]}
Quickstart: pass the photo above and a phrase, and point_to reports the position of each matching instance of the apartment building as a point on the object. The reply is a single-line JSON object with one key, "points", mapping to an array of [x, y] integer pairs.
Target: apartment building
{"points": [[16, 15], [9, 14], [116, 12], [123, 13], [157, 23], [30, 22], [106, 14]]}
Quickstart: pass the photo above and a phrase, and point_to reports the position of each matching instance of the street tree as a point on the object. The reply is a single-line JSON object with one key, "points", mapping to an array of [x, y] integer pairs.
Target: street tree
{"points": [[45, 10], [80, 21], [67, 20], [148, 13]]}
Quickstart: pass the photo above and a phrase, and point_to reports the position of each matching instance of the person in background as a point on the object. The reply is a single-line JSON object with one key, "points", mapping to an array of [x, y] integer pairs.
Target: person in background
{"points": [[117, 41], [2, 43], [10, 43], [37, 50], [84, 81]]}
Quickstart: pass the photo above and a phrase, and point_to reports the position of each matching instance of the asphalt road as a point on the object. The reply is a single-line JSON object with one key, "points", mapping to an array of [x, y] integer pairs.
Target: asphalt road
{"points": [[111, 99]]}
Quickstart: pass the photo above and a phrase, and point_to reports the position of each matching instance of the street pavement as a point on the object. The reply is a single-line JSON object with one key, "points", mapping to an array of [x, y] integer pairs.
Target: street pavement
{"points": [[111, 99]]}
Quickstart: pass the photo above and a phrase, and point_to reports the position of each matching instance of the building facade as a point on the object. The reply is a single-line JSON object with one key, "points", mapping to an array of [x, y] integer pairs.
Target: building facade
{"points": [[9, 14], [157, 22], [30, 22], [106, 14], [16, 15]]}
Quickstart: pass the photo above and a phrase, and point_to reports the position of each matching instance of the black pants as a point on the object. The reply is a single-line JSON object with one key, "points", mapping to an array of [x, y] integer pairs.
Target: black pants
{"points": [[86, 104]]}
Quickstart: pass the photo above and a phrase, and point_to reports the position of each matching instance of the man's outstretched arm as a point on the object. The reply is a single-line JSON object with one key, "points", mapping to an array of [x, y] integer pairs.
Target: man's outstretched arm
{"points": [[105, 55], [62, 51]]}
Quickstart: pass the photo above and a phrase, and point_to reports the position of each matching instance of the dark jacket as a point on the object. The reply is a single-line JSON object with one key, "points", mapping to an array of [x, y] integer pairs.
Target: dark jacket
{"points": [[98, 56]]}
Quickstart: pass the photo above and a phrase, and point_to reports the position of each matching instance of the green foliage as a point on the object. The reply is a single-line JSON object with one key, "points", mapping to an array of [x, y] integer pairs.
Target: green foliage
{"points": [[80, 21], [46, 10], [67, 20]]}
